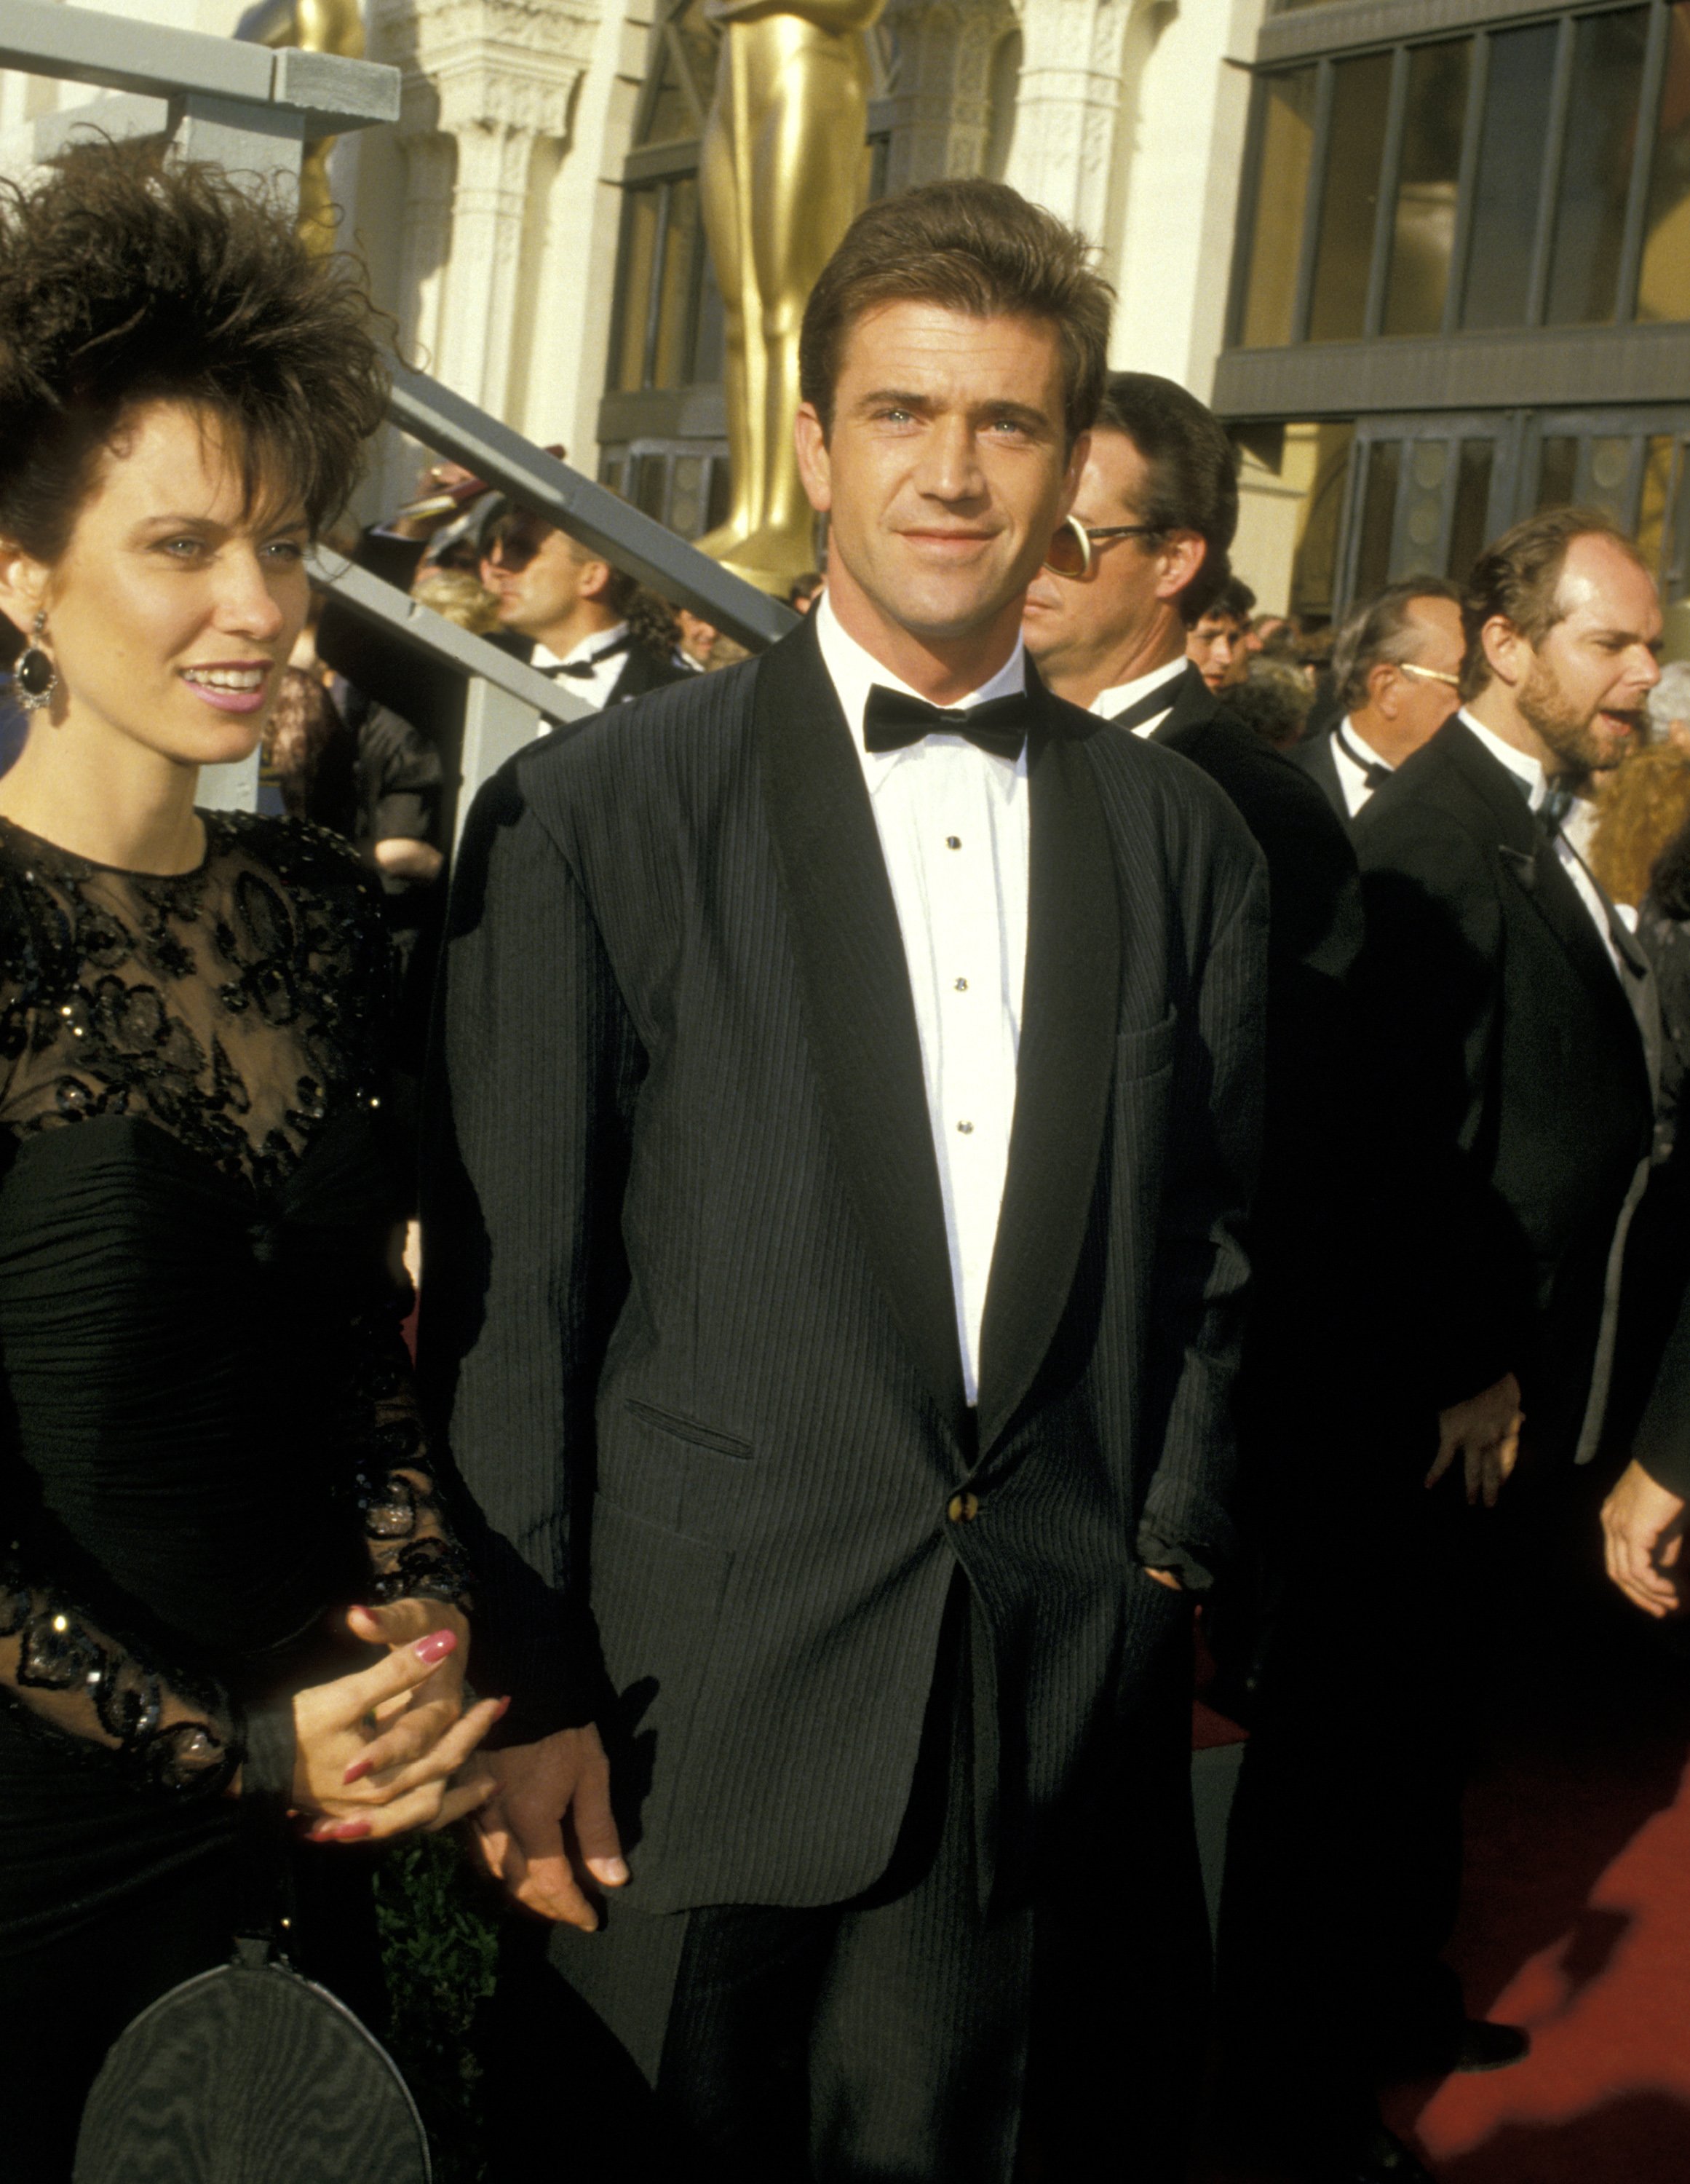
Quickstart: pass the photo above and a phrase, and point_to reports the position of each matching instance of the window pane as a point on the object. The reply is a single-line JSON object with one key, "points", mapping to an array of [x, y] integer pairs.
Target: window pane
{"points": [[1281, 193], [1596, 169], [1510, 168], [639, 250], [1423, 229], [1317, 457], [648, 484], [1664, 292], [1470, 528], [721, 481], [708, 347], [687, 501], [1378, 516], [1557, 467], [1651, 505], [1610, 468], [680, 245], [1361, 92]]}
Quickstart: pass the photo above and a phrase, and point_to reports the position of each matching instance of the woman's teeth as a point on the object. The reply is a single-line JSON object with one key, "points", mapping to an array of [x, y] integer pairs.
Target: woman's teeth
{"points": [[227, 678]]}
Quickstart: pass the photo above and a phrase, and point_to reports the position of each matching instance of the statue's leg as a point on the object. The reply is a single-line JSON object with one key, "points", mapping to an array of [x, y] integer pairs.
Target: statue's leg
{"points": [[808, 169], [743, 372]]}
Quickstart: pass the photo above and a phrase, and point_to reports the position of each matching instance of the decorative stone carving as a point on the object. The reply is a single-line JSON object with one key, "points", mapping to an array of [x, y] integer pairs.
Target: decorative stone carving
{"points": [[486, 83], [941, 101], [1067, 112]]}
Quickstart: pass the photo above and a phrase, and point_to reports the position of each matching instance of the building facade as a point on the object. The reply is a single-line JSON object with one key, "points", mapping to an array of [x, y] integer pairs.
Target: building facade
{"points": [[1429, 259]]}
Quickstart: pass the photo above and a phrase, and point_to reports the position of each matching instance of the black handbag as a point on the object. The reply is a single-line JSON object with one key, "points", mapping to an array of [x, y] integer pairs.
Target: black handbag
{"points": [[249, 2073]]}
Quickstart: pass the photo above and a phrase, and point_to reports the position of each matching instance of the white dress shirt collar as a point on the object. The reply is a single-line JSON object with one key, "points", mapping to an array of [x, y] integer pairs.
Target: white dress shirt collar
{"points": [[543, 657], [1121, 695], [1525, 769], [853, 671]]}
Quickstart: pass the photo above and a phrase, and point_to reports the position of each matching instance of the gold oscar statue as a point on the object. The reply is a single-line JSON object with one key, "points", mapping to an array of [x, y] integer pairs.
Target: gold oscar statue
{"points": [[782, 174], [313, 27]]}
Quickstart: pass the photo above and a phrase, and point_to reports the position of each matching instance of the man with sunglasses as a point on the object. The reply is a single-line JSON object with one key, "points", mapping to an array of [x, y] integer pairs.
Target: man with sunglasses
{"points": [[1397, 669], [573, 608]]}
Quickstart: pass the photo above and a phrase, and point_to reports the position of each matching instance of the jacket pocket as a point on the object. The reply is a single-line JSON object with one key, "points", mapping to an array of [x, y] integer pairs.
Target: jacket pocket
{"points": [[1147, 1048], [689, 1429]]}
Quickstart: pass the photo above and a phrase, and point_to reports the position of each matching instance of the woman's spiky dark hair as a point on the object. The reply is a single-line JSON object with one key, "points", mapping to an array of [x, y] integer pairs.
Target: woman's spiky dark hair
{"points": [[126, 278]]}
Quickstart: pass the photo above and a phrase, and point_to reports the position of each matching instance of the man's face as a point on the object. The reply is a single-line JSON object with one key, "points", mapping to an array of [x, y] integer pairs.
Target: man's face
{"points": [[1586, 683], [1421, 704], [534, 573], [945, 472], [1216, 648], [1076, 624]]}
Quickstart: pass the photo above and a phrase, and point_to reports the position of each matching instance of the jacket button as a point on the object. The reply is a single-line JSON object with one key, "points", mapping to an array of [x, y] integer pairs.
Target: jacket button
{"points": [[962, 1508]]}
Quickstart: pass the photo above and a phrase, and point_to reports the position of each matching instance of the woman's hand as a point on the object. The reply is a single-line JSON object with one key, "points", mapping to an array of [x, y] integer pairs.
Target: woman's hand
{"points": [[377, 1750]]}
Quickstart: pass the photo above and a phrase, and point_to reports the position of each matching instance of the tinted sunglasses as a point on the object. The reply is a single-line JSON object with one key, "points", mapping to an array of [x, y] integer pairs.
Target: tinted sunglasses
{"points": [[1070, 549]]}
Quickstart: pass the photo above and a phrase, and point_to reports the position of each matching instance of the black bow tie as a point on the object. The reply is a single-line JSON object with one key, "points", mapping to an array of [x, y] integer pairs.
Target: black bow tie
{"points": [[584, 669], [1559, 800], [1374, 772], [892, 720]]}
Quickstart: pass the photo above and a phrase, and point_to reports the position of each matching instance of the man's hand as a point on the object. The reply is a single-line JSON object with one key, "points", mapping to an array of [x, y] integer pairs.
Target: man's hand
{"points": [[548, 1821], [1642, 1526], [1484, 1431]]}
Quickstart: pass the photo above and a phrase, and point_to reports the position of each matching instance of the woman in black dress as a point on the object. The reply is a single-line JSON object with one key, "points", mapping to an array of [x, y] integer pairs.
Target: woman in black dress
{"points": [[208, 1446]]}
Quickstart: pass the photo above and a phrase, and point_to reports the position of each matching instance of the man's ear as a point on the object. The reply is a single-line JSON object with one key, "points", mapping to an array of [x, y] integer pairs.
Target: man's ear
{"points": [[1508, 653], [815, 465], [595, 579], [1384, 688], [1181, 557]]}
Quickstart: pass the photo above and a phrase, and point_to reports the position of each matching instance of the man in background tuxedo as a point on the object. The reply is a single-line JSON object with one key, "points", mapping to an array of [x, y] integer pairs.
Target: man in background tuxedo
{"points": [[1397, 671], [847, 1099], [572, 606], [1320, 1849]]}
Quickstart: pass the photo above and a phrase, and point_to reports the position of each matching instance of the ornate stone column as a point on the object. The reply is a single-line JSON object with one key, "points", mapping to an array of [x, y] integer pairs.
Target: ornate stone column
{"points": [[1070, 102], [486, 83], [942, 104]]}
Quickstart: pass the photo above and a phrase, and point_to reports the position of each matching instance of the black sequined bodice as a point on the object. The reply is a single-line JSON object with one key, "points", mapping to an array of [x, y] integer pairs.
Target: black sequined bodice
{"points": [[208, 1435]]}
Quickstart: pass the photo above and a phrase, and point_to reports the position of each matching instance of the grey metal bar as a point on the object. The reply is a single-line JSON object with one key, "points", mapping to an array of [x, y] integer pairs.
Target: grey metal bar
{"points": [[267, 142], [495, 726], [1649, 127], [428, 631], [633, 541], [1549, 186], [1472, 136], [1314, 201], [1385, 215], [118, 114], [83, 44]]}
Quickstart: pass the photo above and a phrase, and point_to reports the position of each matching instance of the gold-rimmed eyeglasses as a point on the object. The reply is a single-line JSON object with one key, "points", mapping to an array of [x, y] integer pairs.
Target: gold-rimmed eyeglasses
{"points": [[1070, 549], [1429, 674]]}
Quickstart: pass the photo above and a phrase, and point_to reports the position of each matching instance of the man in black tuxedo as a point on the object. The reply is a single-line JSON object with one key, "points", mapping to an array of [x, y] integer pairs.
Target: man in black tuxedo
{"points": [[838, 1344], [1397, 671], [1310, 1898], [571, 607]]}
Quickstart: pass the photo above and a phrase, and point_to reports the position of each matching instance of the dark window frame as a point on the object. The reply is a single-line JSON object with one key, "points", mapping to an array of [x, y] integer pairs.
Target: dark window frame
{"points": [[1407, 25]]}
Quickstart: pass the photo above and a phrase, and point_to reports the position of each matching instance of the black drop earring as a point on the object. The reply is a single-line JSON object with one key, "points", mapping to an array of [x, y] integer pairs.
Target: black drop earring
{"points": [[37, 678]]}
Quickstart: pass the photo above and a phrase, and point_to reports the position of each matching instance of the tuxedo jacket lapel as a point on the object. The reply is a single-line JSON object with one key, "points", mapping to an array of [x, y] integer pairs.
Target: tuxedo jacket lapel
{"points": [[1530, 860], [858, 1014], [1069, 1023]]}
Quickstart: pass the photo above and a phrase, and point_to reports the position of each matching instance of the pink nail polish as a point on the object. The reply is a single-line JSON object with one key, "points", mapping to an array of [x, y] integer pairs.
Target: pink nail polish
{"points": [[349, 1831], [436, 1647], [357, 1771], [501, 1710]]}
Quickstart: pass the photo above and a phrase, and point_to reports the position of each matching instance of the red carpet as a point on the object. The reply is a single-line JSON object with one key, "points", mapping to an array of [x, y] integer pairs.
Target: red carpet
{"points": [[1576, 1924]]}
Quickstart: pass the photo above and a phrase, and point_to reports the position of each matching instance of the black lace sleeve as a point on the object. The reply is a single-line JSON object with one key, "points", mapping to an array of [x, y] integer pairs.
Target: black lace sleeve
{"points": [[72, 1680], [413, 1552]]}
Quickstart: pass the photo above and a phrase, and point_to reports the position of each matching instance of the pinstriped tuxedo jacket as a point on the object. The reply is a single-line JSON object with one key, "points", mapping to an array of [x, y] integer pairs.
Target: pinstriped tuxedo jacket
{"points": [[689, 1319]]}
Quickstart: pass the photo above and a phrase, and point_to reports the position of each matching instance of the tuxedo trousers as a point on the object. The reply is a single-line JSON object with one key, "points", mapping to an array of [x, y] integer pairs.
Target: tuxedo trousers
{"points": [[887, 2038]]}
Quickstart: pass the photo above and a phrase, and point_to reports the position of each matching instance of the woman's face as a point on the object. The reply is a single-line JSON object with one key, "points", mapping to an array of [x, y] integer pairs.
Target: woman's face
{"points": [[173, 610]]}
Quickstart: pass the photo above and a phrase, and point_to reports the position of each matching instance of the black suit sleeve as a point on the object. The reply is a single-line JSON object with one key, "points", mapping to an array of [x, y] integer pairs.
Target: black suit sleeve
{"points": [[1203, 1273], [1429, 1002], [533, 1079]]}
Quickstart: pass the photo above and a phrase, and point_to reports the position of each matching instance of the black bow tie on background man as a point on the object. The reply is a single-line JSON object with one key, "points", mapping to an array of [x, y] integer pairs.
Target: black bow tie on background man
{"points": [[893, 720]]}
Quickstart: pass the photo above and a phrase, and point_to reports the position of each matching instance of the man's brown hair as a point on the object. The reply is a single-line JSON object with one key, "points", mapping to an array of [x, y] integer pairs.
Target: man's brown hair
{"points": [[969, 245], [1381, 632], [1519, 578], [1190, 474]]}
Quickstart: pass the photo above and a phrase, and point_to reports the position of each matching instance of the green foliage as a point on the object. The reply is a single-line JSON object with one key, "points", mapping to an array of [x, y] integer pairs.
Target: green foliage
{"points": [[439, 1944]]}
